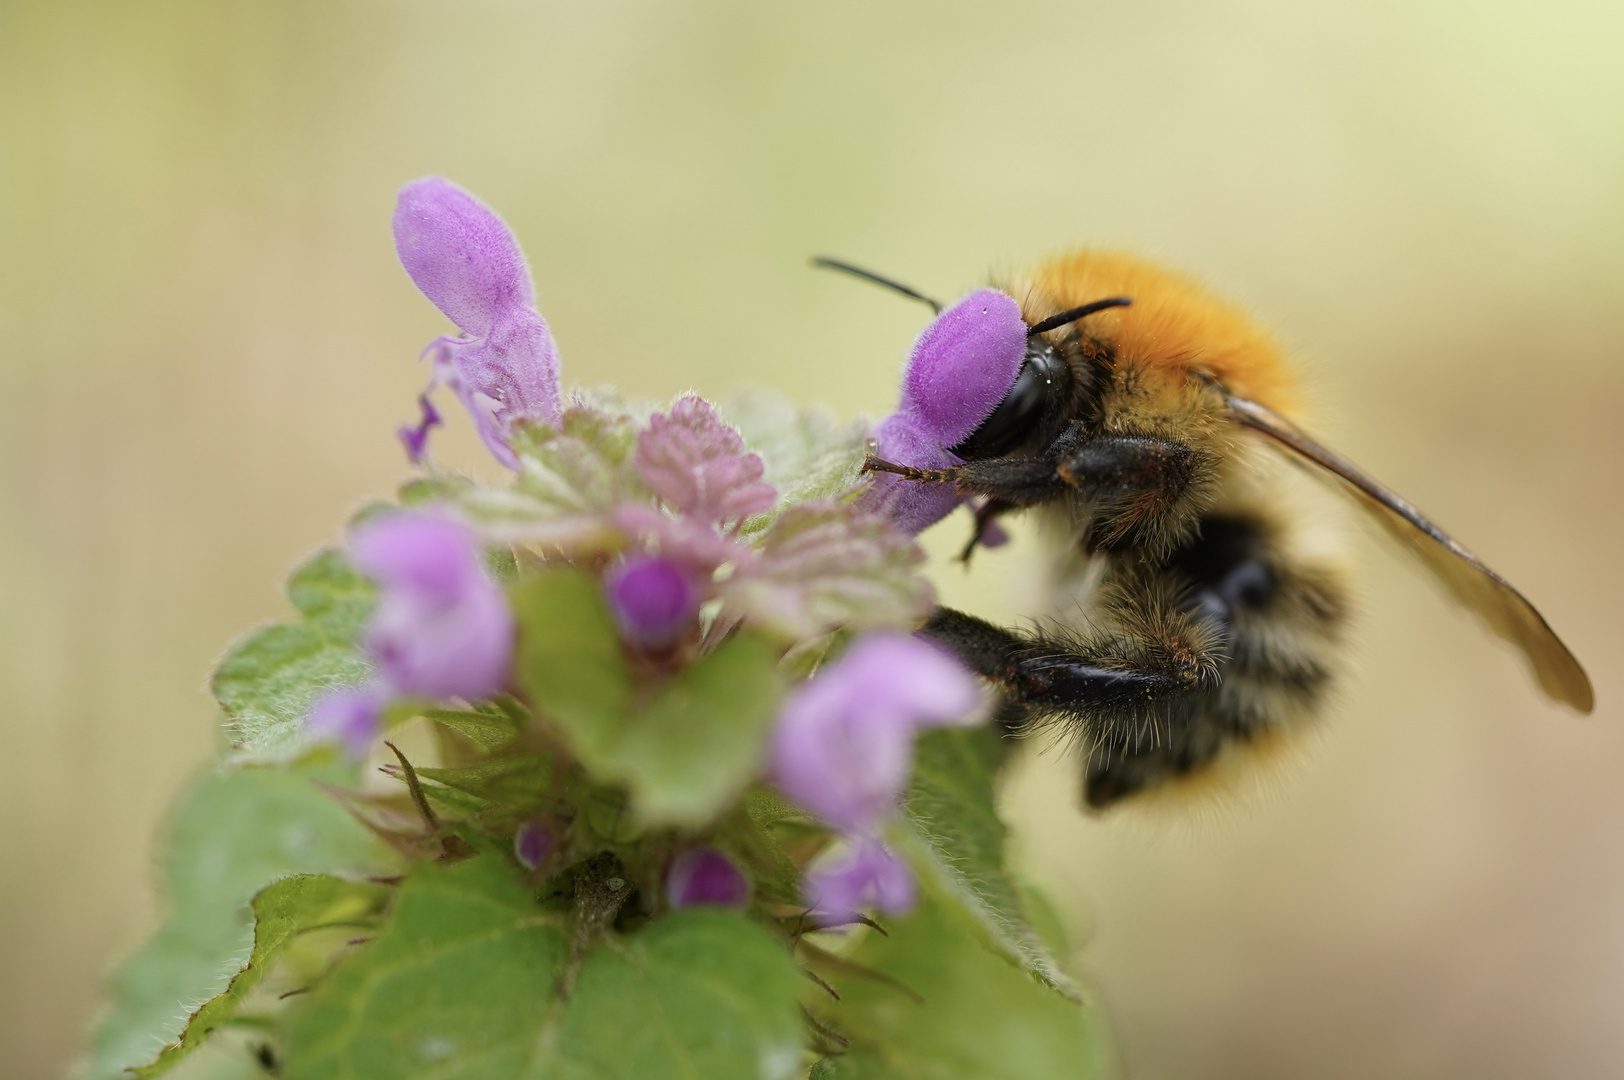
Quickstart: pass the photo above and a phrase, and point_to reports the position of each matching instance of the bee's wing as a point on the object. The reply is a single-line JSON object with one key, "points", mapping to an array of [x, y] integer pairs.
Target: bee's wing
{"points": [[1502, 607]]}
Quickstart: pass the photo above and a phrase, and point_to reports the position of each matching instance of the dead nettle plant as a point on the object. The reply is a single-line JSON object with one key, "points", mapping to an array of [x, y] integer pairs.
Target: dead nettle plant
{"points": [[695, 802]]}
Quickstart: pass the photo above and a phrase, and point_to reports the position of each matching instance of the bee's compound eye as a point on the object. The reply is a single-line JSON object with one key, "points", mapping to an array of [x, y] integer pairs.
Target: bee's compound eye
{"points": [[1012, 421]]}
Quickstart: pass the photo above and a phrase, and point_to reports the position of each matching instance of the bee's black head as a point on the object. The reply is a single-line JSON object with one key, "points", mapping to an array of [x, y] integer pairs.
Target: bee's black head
{"points": [[1043, 380], [1042, 385]]}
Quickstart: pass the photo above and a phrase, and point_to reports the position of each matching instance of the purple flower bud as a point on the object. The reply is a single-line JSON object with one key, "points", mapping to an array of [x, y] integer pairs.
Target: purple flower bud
{"points": [[533, 842], [464, 259], [697, 467], [351, 718], [442, 627], [960, 369], [867, 874], [706, 876], [843, 746], [653, 599]]}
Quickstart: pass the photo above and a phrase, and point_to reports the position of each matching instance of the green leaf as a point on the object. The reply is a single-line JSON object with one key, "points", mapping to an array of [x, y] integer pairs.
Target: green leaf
{"points": [[489, 728], [282, 910], [463, 981], [434, 487], [825, 566], [930, 1001], [952, 803], [570, 661], [267, 682], [807, 453], [693, 744], [748, 835], [584, 466], [457, 983], [518, 782], [232, 833], [704, 735], [702, 993]]}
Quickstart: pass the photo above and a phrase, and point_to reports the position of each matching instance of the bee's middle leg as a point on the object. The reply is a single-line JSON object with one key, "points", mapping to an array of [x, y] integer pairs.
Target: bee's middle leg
{"points": [[1117, 676]]}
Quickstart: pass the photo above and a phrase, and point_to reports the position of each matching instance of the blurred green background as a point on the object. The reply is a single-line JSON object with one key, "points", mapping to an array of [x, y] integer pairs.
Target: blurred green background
{"points": [[205, 344]]}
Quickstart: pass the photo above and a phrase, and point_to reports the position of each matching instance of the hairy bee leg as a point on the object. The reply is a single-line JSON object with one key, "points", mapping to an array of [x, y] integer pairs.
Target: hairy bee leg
{"points": [[873, 463], [1128, 465], [1053, 675], [1016, 481]]}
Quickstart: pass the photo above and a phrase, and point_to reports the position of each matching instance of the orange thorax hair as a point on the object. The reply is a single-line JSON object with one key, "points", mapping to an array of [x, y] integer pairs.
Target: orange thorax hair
{"points": [[1173, 326]]}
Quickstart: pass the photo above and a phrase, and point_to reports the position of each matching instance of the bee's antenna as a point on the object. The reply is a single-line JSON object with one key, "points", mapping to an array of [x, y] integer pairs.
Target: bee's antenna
{"points": [[869, 275], [1054, 322]]}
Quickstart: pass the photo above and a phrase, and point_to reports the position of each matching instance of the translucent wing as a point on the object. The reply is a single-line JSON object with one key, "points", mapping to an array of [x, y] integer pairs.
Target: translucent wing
{"points": [[1490, 596]]}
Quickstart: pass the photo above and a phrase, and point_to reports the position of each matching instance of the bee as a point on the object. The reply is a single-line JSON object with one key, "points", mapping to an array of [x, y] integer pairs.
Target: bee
{"points": [[1202, 617]]}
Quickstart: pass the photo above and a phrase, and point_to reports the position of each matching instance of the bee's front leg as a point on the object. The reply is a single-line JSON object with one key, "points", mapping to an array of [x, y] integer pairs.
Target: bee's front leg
{"points": [[1015, 481]]}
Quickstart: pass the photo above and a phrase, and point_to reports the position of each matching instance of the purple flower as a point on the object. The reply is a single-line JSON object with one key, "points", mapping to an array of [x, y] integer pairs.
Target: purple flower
{"points": [[416, 439], [533, 842], [843, 746], [706, 876], [695, 464], [960, 369], [653, 599], [866, 874], [904, 438], [464, 259], [351, 717], [442, 627]]}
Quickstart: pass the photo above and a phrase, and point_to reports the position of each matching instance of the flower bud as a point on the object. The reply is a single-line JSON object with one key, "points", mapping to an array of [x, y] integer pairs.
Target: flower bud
{"points": [[653, 600], [533, 842], [706, 876]]}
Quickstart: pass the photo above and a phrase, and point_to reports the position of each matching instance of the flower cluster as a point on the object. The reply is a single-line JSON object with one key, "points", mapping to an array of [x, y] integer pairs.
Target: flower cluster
{"points": [[667, 701], [674, 517]]}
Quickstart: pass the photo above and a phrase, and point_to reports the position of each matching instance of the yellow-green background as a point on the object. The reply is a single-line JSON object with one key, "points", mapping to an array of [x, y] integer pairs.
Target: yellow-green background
{"points": [[205, 343]]}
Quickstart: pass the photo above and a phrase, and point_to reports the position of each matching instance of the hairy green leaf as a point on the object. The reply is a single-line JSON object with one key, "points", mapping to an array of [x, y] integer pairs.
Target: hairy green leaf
{"points": [[704, 734], [518, 782], [231, 834], [930, 1001], [806, 452], [584, 466], [823, 566], [489, 727], [952, 802], [463, 981], [269, 679], [702, 993], [458, 982], [282, 910], [570, 661], [693, 742]]}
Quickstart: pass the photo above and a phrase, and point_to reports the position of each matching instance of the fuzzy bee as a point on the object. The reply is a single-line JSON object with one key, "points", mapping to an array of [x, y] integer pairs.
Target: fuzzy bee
{"points": [[1201, 612]]}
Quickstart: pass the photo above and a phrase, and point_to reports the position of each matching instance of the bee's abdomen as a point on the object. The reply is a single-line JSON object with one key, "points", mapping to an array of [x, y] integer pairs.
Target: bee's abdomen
{"points": [[1277, 618]]}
